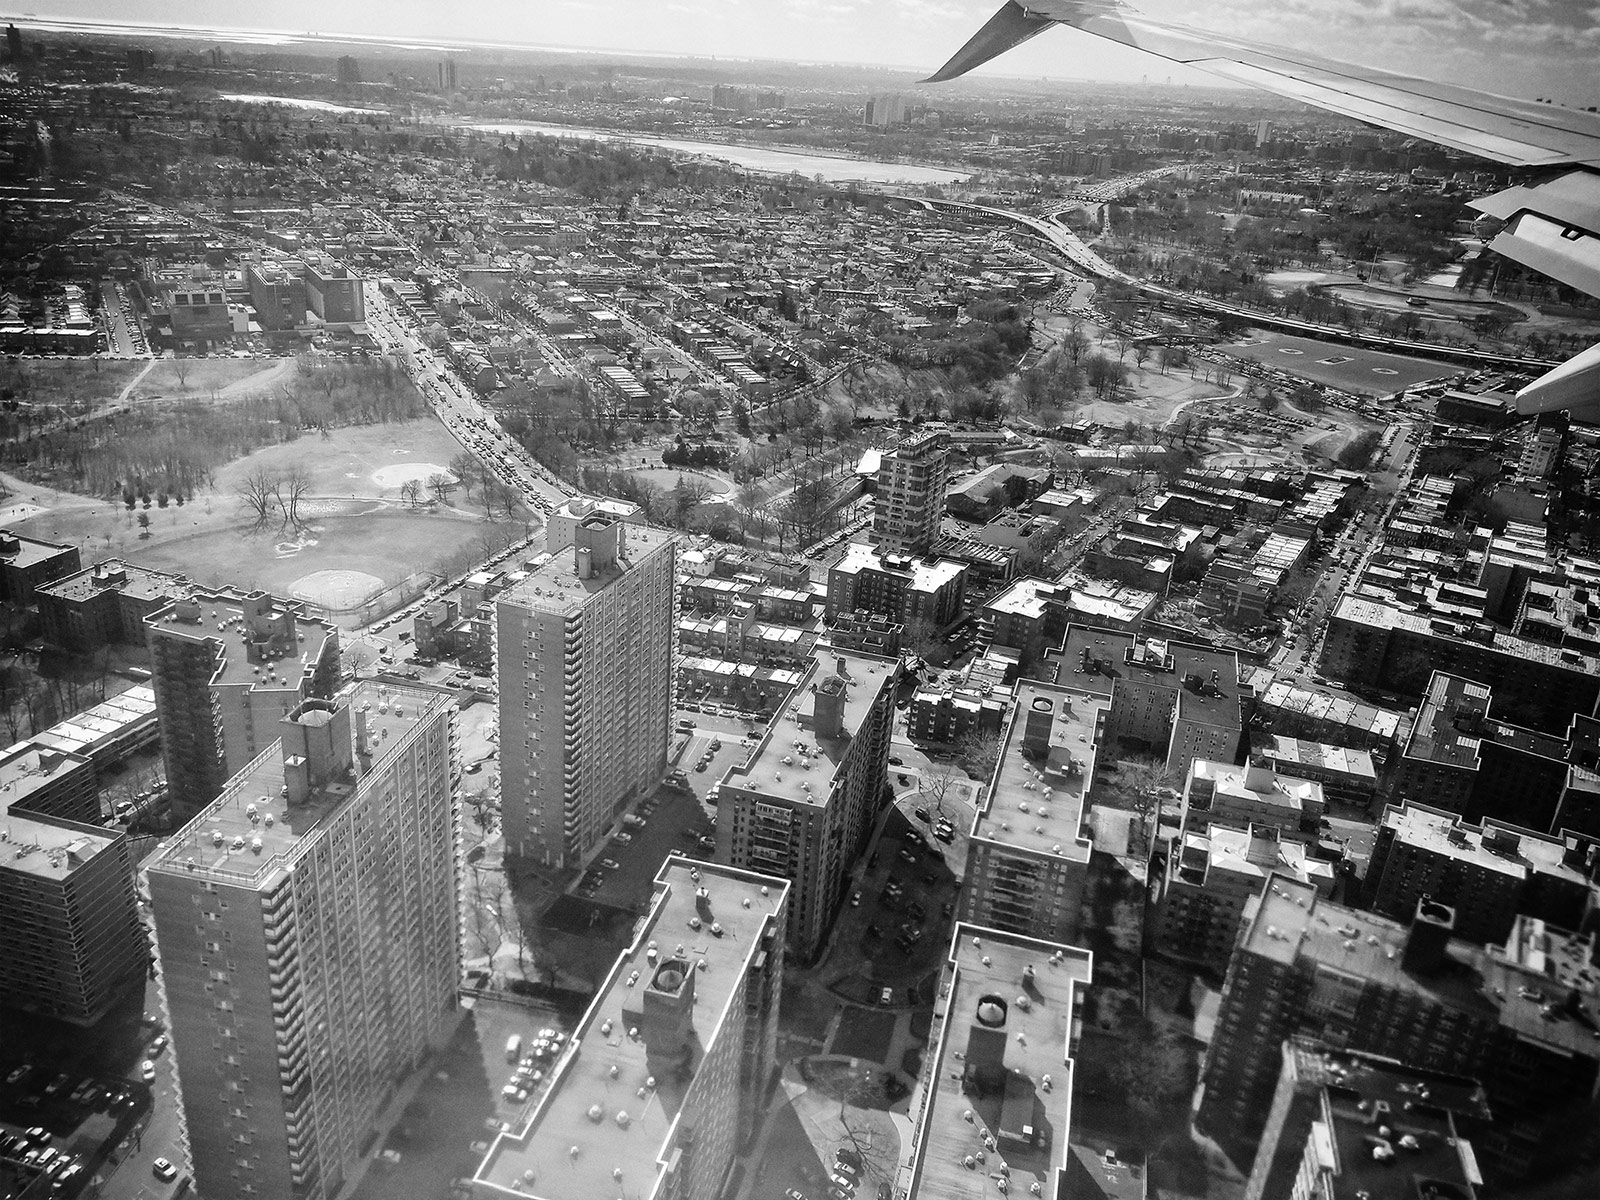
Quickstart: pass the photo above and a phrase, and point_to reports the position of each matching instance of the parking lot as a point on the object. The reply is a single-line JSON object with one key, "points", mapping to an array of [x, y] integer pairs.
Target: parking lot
{"points": [[672, 821], [458, 1110], [62, 1114]]}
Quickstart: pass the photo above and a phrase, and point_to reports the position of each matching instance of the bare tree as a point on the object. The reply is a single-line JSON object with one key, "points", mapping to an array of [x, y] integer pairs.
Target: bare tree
{"points": [[356, 657], [439, 485], [411, 491], [465, 468], [296, 485], [257, 491], [180, 368]]}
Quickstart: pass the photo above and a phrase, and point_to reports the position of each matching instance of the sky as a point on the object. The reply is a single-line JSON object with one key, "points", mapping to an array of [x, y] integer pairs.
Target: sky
{"points": [[1544, 48]]}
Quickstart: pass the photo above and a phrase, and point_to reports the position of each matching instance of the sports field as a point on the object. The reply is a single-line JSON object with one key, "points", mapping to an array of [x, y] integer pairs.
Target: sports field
{"points": [[1349, 368]]}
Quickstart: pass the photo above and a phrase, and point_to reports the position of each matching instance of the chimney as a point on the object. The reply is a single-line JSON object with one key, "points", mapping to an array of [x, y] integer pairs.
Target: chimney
{"points": [[1431, 929], [1038, 721], [316, 747], [827, 714]]}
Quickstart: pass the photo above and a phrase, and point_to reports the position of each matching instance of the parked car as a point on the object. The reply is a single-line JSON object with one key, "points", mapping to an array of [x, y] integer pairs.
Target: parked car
{"points": [[163, 1170], [886, 996]]}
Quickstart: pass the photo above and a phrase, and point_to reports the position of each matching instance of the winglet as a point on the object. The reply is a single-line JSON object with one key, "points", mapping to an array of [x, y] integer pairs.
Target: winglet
{"points": [[1009, 27]]}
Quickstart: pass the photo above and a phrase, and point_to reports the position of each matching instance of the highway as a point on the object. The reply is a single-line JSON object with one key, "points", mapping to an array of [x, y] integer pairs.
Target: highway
{"points": [[1082, 256]]}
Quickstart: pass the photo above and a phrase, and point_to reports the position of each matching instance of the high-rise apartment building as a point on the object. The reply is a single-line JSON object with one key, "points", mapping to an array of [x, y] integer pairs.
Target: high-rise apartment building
{"points": [[1489, 873], [662, 1082], [1028, 854], [910, 497], [585, 646], [226, 669], [996, 1084], [801, 806], [70, 939], [308, 924], [1343, 1123], [1518, 1018]]}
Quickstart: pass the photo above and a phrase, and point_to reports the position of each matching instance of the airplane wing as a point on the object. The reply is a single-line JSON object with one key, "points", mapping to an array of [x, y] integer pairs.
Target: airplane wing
{"points": [[1553, 227]]}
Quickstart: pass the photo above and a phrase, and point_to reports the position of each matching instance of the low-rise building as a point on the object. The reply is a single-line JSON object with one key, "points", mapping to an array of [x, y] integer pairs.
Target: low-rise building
{"points": [[103, 604], [1347, 775], [909, 590], [1241, 797], [27, 562], [1459, 757], [1539, 686]]}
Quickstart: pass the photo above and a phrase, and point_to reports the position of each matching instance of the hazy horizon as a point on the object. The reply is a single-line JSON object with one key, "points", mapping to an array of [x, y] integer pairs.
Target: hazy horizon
{"points": [[1547, 48]]}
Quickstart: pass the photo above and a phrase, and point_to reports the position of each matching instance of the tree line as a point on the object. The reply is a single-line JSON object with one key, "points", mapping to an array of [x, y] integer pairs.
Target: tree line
{"points": [[172, 450]]}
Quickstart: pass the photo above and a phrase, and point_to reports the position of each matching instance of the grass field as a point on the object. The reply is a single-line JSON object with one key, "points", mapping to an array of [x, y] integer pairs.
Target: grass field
{"points": [[201, 376], [386, 542], [355, 525], [343, 464]]}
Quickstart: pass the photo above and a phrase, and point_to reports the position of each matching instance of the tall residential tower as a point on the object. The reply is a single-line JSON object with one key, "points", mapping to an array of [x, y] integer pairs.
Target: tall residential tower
{"points": [[584, 649], [910, 499], [308, 924]]}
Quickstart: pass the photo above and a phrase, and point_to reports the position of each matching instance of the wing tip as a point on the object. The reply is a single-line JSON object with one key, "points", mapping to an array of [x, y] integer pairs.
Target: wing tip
{"points": [[1010, 26]]}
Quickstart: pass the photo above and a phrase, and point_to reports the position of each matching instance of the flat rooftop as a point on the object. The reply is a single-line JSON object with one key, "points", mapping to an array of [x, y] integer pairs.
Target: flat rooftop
{"points": [[28, 767], [1522, 993], [1001, 1032], [923, 575], [220, 840], [1260, 787], [138, 582], [1490, 847], [603, 1072], [554, 586], [1438, 736], [1380, 615], [791, 761], [103, 724], [1320, 756], [47, 851], [1091, 660], [27, 550], [1419, 1105], [220, 618], [1035, 801]]}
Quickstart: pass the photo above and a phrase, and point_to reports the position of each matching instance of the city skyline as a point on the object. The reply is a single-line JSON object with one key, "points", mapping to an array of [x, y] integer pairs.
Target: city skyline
{"points": [[1545, 50]]}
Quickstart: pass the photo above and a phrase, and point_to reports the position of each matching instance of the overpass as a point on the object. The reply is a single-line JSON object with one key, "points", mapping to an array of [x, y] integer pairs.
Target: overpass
{"points": [[1081, 255]]}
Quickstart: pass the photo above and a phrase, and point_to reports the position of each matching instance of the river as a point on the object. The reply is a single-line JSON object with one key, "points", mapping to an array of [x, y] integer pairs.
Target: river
{"points": [[832, 168]]}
